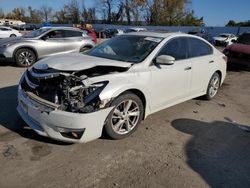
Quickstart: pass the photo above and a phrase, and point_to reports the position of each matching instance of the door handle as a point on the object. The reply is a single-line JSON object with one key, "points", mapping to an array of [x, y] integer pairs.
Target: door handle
{"points": [[188, 68], [212, 61]]}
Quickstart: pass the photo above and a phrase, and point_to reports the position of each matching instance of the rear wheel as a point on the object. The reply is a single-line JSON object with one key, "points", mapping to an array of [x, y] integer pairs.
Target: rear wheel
{"points": [[213, 86], [25, 57], [12, 35], [125, 117]]}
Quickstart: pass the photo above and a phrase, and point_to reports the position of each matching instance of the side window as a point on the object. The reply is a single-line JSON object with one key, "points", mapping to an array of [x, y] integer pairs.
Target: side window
{"points": [[199, 48], [177, 48], [69, 33], [57, 34], [4, 29]]}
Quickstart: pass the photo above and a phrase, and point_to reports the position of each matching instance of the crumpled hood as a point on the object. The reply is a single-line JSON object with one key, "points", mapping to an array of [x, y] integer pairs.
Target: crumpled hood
{"points": [[237, 47], [76, 61]]}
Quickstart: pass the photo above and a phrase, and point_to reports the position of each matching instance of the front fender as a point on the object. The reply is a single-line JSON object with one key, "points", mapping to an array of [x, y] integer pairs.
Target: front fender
{"points": [[119, 86]]}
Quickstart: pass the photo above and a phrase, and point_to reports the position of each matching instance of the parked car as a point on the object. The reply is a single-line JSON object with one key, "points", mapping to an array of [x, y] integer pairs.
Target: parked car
{"points": [[91, 33], [224, 39], [239, 52], [113, 87], [135, 29], [6, 32], [113, 32], [29, 27], [107, 33], [204, 35], [44, 42]]}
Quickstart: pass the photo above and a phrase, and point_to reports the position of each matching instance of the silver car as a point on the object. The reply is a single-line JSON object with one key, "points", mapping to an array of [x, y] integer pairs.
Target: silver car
{"points": [[44, 42]]}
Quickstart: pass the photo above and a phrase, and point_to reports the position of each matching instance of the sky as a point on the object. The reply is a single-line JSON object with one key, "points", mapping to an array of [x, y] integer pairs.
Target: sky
{"points": [[215, 12]]}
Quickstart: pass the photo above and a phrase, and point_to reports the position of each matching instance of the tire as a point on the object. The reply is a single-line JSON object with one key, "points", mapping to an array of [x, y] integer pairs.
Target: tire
{"points": [[84, 49], [12, 35], [118, 123], [25, 57], [213, 86]]}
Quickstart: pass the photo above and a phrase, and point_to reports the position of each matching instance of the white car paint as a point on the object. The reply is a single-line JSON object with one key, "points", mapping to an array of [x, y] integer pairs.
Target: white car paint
{"points": [[6, 32], [163, 86], [225, 39]]}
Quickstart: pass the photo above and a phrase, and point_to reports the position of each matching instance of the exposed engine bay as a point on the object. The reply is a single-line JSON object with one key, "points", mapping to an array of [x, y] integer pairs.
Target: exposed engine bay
{"points": [[71, 91]]}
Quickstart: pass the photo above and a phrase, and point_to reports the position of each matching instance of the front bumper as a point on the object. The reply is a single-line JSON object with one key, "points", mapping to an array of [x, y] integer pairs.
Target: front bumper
{"points": [[51, 124], [5, 53]]}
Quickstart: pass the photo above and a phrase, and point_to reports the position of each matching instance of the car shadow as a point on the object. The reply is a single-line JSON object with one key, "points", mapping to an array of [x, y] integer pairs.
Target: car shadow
{"points": [[10, 119], [6, 62], [219, 152]]}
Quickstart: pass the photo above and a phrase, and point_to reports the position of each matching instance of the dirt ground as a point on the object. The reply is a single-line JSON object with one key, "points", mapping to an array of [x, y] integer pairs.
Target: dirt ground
{"points": [[194, 144]]}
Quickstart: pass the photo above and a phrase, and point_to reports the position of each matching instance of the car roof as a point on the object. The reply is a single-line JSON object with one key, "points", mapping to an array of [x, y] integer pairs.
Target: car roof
{"points": [[226, 34], [157, 34], [137, 28], [63, 28]]}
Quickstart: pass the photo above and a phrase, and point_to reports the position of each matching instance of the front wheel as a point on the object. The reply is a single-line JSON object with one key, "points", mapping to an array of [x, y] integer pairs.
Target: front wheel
{"points": [[124, 119], [12, 35], [213, 86], [25, 57]]}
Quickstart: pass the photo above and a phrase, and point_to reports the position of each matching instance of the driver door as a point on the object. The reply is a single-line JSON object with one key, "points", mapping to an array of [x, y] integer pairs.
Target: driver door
{"points": [[171, 83], [52, 43]]}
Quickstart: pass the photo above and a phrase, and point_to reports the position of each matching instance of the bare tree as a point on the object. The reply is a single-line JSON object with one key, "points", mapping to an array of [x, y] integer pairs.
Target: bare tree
{"points": [[1, 13], [46, 13], [72, 11]]}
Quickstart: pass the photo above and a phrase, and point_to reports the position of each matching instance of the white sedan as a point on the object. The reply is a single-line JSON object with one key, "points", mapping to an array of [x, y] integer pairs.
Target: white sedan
{"points": [[6, 32], [114, 86], [224, 39]]}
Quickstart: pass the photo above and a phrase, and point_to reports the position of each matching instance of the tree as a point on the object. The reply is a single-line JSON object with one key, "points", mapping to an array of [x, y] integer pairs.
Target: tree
{"points": [[72, 11], [1, 13], [61, 16], [34, 15], [231, 23], [46, 13]]}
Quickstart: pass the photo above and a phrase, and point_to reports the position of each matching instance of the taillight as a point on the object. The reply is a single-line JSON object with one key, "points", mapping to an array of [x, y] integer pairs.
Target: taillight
{"points": [[225, 58]]}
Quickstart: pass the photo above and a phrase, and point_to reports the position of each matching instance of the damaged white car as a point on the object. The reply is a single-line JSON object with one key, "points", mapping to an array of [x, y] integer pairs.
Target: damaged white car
{"points": [[114, 86]]}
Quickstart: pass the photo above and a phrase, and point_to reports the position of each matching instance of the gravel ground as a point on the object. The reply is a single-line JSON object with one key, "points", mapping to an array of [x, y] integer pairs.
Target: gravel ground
{"points": [[194, 144]]}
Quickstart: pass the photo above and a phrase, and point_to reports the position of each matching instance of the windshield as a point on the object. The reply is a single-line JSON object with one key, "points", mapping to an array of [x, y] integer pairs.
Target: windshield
{"points": [[244, 39], [224, 36], [36, 33], [126, 48]]}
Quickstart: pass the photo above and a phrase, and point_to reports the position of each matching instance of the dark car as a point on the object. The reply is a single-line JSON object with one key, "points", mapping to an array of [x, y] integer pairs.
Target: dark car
{"points": [[239, 53]]}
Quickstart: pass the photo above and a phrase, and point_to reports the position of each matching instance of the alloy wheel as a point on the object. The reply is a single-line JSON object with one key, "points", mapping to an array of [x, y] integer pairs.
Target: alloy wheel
{"points": [[125, 117]]}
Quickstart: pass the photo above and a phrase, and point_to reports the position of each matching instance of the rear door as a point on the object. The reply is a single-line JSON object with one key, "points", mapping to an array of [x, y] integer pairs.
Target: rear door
{"points": [[73, 40], [203, 65]]}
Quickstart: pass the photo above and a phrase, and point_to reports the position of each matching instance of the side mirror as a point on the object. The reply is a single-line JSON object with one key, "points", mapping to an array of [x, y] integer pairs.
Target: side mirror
{"points": [[45, 37], [165, 60]]}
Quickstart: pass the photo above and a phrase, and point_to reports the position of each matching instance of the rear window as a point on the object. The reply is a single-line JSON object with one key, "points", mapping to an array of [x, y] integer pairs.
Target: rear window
{"points": [[68, 33], [199, 48]]}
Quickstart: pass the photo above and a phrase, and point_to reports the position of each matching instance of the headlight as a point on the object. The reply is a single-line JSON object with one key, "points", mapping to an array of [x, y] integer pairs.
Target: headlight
{"points": [[94, 91], [7, 45]]}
